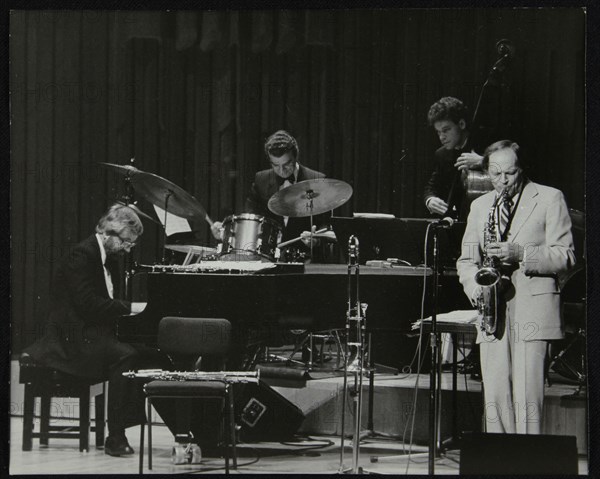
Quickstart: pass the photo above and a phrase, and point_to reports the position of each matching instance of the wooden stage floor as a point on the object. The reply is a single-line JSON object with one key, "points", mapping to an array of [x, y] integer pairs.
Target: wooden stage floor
{"points": [[310, 455]]}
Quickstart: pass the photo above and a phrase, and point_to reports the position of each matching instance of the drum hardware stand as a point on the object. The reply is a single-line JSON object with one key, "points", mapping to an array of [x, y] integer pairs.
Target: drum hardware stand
{"points": [[309, 340], [309, 206], [164, 248], [355, 338], [128, 198]]}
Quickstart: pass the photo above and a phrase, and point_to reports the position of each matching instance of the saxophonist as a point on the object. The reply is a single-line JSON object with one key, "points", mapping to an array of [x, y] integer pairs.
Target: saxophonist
{"points": [[532, 247]]}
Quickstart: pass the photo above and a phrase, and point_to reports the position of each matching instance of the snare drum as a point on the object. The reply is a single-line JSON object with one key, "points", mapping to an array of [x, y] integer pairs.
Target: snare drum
{"points": [[249, 236]]}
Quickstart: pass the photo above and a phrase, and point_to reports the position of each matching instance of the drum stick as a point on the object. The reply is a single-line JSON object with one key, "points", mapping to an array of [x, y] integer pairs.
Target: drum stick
{"points": [[289, 242], [208, 220]]}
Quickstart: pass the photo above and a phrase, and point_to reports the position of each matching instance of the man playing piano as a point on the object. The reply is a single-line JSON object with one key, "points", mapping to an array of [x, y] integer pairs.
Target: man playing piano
{"points": [[79, 337]]}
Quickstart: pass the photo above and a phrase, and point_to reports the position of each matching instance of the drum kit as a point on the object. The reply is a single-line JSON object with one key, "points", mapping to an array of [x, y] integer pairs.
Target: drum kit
{"points": [[245, 236]]}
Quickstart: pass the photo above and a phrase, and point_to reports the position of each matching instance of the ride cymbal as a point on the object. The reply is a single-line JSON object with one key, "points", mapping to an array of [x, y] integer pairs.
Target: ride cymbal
{"points": [[310, 197]]}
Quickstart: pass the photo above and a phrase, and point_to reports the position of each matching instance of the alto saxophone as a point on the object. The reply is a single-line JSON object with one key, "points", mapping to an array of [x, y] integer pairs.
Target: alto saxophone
{"points": [[488, 276]]}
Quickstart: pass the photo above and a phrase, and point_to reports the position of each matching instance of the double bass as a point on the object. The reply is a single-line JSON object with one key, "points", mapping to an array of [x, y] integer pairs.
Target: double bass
{"points": [[476, 182]]}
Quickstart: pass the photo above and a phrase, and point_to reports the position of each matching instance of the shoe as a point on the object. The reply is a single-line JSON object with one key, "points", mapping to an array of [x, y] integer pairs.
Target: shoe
{"points": [[117, 446]]}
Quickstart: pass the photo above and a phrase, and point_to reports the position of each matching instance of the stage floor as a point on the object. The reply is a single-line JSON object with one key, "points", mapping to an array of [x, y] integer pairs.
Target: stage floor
{"points": [[308, 455]]}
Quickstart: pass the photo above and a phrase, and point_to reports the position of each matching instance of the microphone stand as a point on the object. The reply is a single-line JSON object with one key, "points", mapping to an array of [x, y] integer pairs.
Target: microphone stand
{"points": [[434, 376], [355, 338], [164, 248], [129, 263], [505, 50], [310, 206], [434, 372]]}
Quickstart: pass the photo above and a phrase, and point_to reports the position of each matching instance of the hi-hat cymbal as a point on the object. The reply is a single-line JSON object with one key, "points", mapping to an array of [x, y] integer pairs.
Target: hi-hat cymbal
{"points": [[128, 170], [167, 195], [310, 197]]}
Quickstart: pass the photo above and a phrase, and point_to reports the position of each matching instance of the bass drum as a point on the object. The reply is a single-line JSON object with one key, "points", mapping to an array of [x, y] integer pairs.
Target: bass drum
{"points": [[249, 237]]}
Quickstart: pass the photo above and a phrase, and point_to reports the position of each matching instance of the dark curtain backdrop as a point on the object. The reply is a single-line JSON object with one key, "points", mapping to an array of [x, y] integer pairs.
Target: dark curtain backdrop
{"points": [[192, 96]]}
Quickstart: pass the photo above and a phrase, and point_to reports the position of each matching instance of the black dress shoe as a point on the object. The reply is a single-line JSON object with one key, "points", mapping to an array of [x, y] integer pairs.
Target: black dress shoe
{"points": [[117, 446]]}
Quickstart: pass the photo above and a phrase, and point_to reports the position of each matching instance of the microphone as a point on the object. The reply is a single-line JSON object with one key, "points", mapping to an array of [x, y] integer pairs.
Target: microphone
{"points": [[446, 222]]}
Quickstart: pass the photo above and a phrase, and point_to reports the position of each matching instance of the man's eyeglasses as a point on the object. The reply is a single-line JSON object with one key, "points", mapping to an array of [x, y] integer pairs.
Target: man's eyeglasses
{"points": [[125, 243]]}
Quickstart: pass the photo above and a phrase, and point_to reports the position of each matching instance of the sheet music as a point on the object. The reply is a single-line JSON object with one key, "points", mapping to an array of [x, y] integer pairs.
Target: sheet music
{"points": [[175, 224]]}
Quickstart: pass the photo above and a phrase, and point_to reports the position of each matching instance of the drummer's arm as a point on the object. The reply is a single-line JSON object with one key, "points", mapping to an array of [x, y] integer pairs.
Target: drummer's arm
{"points": [[217, 230], [322, 221]]}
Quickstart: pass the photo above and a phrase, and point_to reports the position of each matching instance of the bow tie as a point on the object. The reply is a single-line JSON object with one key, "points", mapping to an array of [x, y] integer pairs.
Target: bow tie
{"points": [[290, 178]]}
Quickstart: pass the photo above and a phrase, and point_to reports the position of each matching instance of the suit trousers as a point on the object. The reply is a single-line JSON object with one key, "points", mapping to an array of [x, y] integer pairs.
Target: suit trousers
{"points": [[513, 376], [125, 402]]}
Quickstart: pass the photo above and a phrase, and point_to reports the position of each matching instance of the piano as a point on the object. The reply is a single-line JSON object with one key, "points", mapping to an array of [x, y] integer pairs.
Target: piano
{"points": [[315, 299]]}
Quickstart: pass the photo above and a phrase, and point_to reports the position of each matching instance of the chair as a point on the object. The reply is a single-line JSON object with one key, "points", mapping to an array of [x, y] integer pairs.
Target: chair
{"points": [[189, 342], [47, 383]]}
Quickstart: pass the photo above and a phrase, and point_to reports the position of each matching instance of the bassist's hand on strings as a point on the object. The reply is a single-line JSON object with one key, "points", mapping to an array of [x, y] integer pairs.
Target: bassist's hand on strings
{"points": [[469, 161], [436, 205]]}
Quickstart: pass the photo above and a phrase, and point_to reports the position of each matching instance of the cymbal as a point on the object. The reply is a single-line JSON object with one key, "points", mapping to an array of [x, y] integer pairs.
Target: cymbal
{"points": [[195, 249], [139, 212], [127, 170], [294, 201], [160, 191]]}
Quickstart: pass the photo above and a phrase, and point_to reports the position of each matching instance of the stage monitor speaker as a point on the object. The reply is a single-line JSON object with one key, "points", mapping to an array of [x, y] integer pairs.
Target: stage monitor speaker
{"points": [[487, 453], [265, 415]]}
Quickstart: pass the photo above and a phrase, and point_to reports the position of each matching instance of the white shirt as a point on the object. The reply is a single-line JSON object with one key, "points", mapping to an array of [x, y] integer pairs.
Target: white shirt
{"points": [[287, 183], [107, 278]]}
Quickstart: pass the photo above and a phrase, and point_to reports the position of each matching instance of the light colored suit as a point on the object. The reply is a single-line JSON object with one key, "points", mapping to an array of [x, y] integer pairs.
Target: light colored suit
{"points": [[513, 362]]}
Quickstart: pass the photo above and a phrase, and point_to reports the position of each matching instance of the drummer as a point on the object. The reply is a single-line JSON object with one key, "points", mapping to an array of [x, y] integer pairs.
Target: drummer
{"points": [[283, 153]]}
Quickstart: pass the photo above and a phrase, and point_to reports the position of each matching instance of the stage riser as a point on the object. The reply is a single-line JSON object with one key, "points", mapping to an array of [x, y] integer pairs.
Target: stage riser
{"points": [[321, 402]]}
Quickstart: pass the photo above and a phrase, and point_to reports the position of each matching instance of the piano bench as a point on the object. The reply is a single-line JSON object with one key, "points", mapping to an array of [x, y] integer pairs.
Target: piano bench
{"points": [[47, 383]]}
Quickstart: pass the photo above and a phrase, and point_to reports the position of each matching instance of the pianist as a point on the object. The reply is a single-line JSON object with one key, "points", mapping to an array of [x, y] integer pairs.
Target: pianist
{"points": [[79, 337]]}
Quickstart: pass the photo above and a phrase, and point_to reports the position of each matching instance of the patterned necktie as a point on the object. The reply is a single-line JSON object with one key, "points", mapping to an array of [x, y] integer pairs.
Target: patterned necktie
{"points": [[505, 209]]}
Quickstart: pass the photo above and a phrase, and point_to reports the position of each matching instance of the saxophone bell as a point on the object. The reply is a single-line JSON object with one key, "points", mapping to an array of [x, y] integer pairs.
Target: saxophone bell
{"points": [[488, 275]]}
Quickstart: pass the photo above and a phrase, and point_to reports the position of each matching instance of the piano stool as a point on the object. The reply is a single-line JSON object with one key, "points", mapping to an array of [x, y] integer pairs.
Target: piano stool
{"points": [[47, 383]]}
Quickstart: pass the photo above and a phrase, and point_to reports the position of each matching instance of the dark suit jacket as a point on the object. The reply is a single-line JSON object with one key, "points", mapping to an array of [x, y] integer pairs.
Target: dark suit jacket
{"points": [[266, 184], [446, 181], [82, 314]]}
